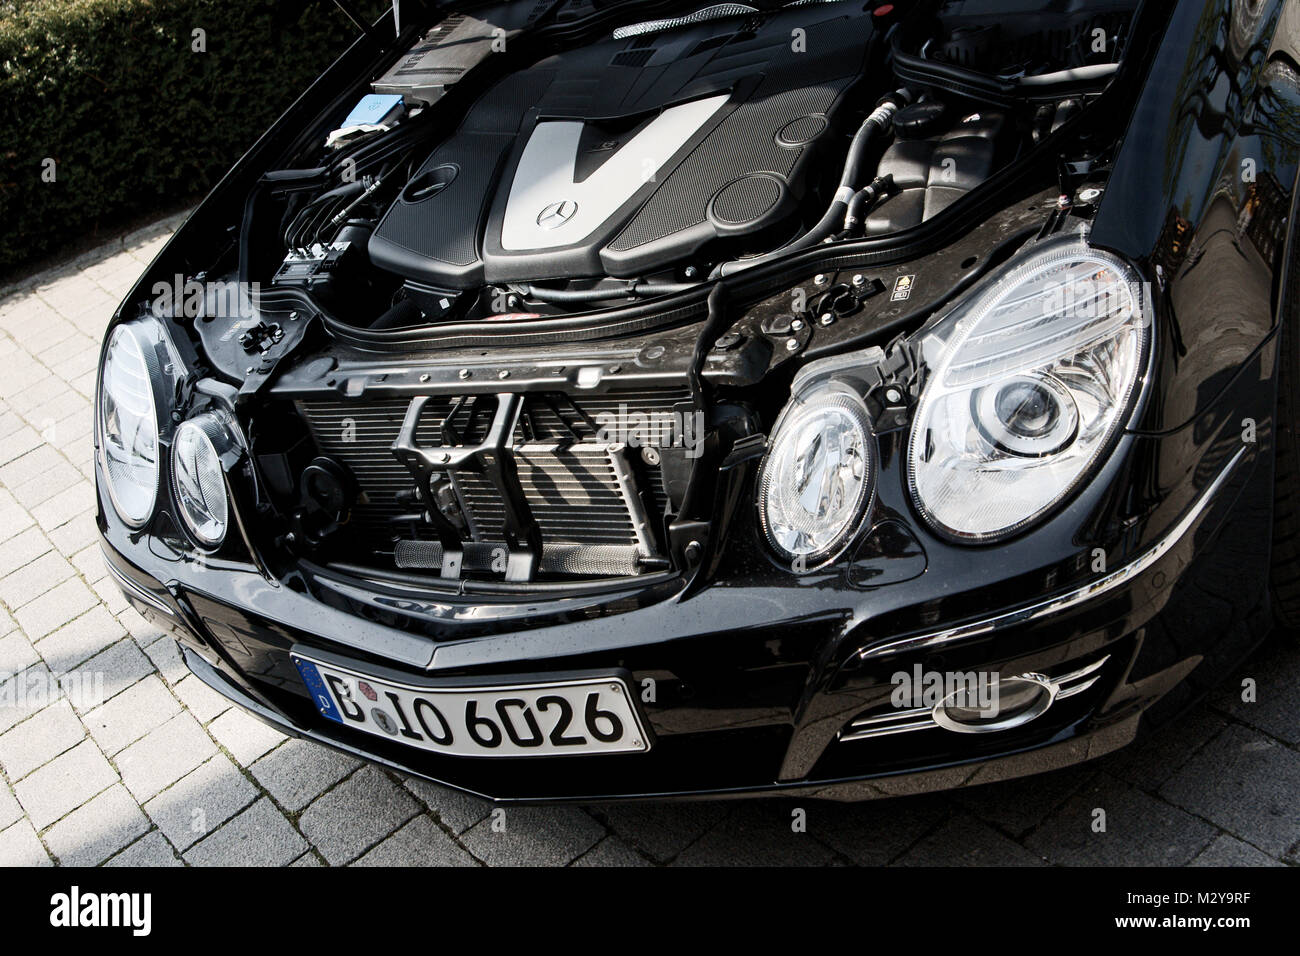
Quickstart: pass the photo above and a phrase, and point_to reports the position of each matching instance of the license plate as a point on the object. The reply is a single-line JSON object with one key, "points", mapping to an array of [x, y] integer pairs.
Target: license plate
{"points": [[586, 715]]}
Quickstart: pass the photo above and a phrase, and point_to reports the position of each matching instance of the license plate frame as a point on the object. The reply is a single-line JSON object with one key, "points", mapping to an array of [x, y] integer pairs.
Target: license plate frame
{"points": [[570, 714]]}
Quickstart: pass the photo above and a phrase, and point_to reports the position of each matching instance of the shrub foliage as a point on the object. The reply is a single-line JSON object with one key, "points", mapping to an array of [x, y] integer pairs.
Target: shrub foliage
{"points": [[127, 109]]}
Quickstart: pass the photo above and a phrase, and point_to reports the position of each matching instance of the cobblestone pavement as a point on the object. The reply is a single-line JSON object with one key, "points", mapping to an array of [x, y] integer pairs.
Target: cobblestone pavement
{"points": [[163, 771]]}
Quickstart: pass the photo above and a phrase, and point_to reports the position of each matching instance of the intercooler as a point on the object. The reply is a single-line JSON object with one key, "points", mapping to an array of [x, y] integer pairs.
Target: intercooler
{"points": [[597, 498]]}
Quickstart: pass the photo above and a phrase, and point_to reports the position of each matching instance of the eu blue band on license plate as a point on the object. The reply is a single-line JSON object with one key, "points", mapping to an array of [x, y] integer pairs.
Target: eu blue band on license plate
{"points": [[311, 677]]}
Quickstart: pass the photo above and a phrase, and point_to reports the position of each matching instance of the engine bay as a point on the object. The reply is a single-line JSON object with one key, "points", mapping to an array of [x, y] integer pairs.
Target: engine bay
{"points": [[495, 171]]}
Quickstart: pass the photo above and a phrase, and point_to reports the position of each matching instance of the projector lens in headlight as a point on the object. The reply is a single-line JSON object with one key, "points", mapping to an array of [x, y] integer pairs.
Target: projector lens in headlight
{"points": [[817, 477], [199, 479], [1033, 377], [128, 425]]}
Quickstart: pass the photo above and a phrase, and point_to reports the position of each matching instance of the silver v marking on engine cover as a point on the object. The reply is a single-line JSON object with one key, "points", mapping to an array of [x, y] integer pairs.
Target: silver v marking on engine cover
{"points": [[544, 187]]}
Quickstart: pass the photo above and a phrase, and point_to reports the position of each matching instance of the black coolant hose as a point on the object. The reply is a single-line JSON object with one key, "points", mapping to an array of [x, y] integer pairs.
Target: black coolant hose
{"points": [[876, 125], [862, 202]]}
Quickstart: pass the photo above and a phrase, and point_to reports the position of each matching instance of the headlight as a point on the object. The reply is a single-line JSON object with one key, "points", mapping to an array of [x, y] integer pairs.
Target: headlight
{"points": [[1035, 376], [198, 478], [128, 424], [816, 480]]}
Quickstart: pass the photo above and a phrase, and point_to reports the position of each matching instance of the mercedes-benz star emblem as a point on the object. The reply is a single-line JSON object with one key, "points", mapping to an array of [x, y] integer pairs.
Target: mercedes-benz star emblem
{"points": [[557, 214]]}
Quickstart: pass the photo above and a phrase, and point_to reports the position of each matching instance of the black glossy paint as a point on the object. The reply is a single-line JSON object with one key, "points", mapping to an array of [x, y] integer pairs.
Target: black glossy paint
{"points": [[757, 669]]}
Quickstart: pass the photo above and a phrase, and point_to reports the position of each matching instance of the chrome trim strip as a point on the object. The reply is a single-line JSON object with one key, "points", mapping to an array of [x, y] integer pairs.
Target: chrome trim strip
{"points": [[1076, 689], [1071, 598], [882, 725], [132, 589]]}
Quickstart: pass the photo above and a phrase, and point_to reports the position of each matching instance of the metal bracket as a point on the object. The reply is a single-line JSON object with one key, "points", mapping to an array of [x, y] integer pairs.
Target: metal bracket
{"points": [[494, 459]]}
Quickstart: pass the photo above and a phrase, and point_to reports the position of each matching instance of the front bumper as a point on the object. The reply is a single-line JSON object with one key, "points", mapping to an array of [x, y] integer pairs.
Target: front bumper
{"points": [[755, 685]]}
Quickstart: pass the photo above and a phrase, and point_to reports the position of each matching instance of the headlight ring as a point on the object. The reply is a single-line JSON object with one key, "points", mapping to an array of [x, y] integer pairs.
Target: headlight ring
{"points": [[203, 450], [817, 479], [130, 394], [1035, 375]]}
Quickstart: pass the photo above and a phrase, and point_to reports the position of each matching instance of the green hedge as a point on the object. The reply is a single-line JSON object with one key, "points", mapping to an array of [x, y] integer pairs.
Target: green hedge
{"points": [[133, 118]]}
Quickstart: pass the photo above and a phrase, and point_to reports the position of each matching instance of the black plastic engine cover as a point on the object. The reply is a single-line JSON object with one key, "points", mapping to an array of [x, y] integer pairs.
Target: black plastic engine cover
{"points": [[626, 156]]}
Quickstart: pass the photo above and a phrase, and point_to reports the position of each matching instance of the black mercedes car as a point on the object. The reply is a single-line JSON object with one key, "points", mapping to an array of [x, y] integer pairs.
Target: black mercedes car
{"points": [[579, 400]]}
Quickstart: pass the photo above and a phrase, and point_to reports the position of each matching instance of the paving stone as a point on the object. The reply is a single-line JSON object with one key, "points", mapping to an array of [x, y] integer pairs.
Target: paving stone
{"points": [[68, 346], [455, 809], [1227, 850], [31, 494], [533, 836], [14, 518], [19, 443], [164, 755], [166, 656], [81, 639], [76, 536], [16, 653], [1245, 783], [152, 849], [19, 846], [260, 836], [202, 701], [876, 832], [94, 832], [65, 604], [34, 465], [89, 562], [32, 401], [106, 675], [34, 578], [131, 714], [25, 693], [966, 841], [21, 550], [661, 830], [9, 808], [757, 834], [40, 739], [307, 859], [64, 506], [1277, 692], [1140, 830], [22, 373], [611, 851], [356, 815], [201, 801], [64, 784], [419, 843], [1149, 761], [297, 771], [110, 595], [1017, 806], [246, 737]]}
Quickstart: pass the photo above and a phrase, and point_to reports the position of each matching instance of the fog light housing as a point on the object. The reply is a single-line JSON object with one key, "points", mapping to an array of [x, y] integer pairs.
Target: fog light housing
{"points": [[1020, 699]]}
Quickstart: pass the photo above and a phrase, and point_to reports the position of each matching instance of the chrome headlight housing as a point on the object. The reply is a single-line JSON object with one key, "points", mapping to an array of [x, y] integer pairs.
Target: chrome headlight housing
{"points": [[131, 395], [818, 475], [202, 448], [1030, 381]]}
